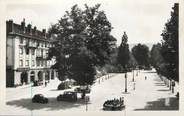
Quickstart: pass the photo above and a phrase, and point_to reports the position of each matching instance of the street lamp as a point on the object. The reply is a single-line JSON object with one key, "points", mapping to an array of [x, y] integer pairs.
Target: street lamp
{"points": [[86, 101], [125, 82], [125, 79], [133, 74]]}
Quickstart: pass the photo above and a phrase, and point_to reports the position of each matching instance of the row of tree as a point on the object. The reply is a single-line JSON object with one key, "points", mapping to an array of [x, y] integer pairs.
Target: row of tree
{"points": [[139, 55], [165, 55]]}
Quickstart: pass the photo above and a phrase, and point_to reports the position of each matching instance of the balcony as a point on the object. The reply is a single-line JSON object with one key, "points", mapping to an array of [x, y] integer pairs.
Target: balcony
{"points": [[41, 57], [31, 45]]}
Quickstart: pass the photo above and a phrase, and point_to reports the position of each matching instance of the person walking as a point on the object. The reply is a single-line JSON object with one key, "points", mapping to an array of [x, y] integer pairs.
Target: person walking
{"points": [[45, 83], [145, 77], [134, 86]]}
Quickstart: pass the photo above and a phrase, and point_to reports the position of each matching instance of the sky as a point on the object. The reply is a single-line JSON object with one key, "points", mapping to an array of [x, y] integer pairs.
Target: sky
{"points": [[143, 20]]}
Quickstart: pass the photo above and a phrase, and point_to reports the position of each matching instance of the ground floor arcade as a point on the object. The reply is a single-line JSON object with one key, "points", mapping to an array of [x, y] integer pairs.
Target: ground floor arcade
{"points": [[25, 76]]}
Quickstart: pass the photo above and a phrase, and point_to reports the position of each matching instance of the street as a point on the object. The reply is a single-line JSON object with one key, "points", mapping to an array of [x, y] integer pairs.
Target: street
{"points": [[149, 94]]}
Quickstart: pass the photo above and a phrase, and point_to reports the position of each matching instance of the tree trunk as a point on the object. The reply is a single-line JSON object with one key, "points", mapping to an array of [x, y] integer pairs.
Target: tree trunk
{"points": [[83, 95], [170, 84]]}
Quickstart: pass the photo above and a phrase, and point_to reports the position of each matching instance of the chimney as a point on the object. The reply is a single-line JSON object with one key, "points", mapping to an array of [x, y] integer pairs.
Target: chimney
{"points": [[44, 32], [10, 26], [29, 28], [23, 25], [34, 30]]}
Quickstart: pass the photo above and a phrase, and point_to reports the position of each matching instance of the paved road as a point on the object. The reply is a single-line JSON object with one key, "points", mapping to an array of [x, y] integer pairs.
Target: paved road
{"points": [[27, 91], [149, 94]]}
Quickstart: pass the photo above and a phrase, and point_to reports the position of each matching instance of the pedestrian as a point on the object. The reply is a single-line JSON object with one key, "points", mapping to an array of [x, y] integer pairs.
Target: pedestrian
{"points": [[137, 73], [45, 83], [134, 86], [145, 77]]}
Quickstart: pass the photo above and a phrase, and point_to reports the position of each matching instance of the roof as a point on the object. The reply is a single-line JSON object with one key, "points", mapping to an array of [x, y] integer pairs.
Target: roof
{"points": [[31, 33]]}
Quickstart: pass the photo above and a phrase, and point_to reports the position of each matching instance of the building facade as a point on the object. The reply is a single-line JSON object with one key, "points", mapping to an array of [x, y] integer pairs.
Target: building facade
{"points": [[26, 55]]}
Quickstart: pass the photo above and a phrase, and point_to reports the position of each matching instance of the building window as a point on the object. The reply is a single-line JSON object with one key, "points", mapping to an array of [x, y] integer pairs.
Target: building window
{"points": [[21, 40], [27, 51], [37, 52], [45, 63], [21, 62], [38, 44], [33, 63], [38, 63], [27, 62], [41, 52], [27, 41], [42, 63], [47, 53], [33, 52], [21, 50]]}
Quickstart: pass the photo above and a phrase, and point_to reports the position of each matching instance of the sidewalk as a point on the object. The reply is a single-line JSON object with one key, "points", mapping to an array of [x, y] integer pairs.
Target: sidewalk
{"points": [[150, 94]]}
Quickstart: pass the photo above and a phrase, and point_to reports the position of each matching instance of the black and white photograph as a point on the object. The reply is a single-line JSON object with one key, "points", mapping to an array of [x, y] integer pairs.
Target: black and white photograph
{"points": [[91, 56]]}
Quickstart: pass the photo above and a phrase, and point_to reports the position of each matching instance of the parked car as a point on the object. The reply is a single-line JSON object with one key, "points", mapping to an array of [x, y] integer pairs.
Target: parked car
{"points": [[63, 86], [67, 96], [39, 98], [80, 90]]}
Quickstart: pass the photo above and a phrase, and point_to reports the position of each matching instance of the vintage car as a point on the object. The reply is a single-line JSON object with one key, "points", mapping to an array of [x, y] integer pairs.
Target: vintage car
{"points": [[114, 105], [68, 96], [39, 98], [81, 90]]}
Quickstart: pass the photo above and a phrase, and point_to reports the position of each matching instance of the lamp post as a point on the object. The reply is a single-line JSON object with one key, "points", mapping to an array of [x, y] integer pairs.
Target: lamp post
{"points": [[125, 79], [133, 74], [86, 101], [126, 82]]}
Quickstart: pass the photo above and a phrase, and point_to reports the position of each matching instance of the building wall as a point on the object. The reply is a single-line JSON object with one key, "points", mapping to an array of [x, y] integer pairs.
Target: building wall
{"points": [[17, 78], [15, 52], [17, 57], [9, 50]]}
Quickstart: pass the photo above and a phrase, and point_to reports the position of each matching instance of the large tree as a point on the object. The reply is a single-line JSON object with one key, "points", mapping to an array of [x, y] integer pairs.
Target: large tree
{"points": [[155, 55], [170, 45], [141, 54], [83, 41], [123, 52]]}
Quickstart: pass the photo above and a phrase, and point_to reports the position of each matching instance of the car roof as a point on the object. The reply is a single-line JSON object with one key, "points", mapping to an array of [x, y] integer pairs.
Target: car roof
{"points": [[69, 92]]}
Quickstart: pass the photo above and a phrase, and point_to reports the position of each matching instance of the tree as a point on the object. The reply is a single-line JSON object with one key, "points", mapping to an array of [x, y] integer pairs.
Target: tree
{"points": [[169, 48], [84, 37], [156, 56], [123, 52], [132, 61], [141, 54]]}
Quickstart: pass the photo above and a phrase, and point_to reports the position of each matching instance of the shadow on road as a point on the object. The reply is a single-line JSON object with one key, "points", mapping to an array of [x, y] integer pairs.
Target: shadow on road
{"points": [[163, 90], [149, 71], [55, 90], [161, 104], [52, 105], [159, 84]]}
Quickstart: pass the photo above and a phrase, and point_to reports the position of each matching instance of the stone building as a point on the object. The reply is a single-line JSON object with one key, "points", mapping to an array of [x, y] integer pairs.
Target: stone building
{"points": [[26, 55]]}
